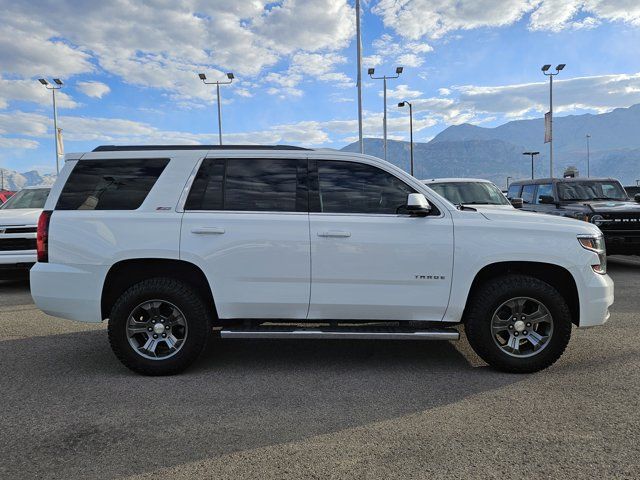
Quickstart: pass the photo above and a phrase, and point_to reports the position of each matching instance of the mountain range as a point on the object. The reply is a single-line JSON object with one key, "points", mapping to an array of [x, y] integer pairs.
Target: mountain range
{"points": [[12, 180], [495, 153]]}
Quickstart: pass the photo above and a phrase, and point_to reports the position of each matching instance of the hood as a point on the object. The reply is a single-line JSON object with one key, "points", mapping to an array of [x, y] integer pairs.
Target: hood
{"points": [[20, 216], [613, 207], [540, 220]]}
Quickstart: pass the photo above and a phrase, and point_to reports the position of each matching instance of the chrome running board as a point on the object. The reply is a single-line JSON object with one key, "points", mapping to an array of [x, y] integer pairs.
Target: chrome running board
{"points": [[342, 333]]}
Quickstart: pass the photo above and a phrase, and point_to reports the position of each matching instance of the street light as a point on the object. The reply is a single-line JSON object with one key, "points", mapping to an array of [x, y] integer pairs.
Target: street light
{"points": [[402, 104], [545, 71], [53, 88], [230, 76], [533, 154], [588, 154], [384, 78]]}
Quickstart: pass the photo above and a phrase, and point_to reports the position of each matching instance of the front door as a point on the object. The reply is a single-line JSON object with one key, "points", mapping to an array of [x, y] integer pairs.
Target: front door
{"points": [[369, 258]]}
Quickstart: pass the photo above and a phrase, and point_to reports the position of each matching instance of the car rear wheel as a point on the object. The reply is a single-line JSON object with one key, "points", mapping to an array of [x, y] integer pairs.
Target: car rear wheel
{"points": [[518, 323], [158, 327]]}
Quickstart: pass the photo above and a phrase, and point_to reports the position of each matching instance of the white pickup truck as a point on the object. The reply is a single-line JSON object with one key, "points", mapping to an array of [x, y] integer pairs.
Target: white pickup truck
{"points": [[171, 242]]}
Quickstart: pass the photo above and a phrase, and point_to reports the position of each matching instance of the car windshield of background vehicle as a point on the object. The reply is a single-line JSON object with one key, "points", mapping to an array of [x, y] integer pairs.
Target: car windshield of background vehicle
{"points": [[588, 190], [29, 198], [470, 193]]}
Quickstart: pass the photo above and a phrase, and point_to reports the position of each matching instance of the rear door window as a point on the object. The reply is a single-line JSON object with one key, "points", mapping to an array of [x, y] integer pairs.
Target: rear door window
{"points": [[249, 184], [118, 184], [527, 193]]}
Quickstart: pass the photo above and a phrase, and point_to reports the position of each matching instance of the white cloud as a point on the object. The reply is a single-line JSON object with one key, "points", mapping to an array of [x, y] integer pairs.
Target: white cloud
{"points": [[407, 54], [402, 92], [163, 44], [415, 19], [93, 89], [31, 91], [18, 143]]}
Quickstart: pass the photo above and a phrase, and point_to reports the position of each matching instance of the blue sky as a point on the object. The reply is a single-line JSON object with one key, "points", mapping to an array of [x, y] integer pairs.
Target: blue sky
{"points": [[130, 68]]}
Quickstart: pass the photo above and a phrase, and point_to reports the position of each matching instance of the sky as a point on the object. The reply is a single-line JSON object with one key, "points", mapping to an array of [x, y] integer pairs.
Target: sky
{"points": [[130, 68]]}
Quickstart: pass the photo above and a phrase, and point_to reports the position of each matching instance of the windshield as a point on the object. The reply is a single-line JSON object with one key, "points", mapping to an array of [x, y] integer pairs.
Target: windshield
{"points": [[470, 193], [28, 198], [591, 190]]}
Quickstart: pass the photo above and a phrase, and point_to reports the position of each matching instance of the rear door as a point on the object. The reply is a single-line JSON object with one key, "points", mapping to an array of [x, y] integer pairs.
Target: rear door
{"points": [[370, 259], [246, 224]]}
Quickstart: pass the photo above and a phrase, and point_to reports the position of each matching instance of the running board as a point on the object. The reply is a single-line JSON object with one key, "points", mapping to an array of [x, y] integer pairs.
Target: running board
{"points": [[342, 333]]}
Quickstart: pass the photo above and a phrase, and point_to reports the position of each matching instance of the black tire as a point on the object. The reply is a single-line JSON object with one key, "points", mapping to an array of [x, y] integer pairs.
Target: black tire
{"points": [[490, 296], [195, 314]]}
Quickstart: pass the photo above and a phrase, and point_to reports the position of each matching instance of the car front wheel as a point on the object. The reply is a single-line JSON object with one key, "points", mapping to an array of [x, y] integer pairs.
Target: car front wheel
{"points": [[518, 323]]}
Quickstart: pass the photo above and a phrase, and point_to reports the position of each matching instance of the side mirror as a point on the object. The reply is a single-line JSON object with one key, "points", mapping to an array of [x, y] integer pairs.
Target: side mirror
{"points": [[636, 197], [516, 202], [417, 204], [547, 199]]}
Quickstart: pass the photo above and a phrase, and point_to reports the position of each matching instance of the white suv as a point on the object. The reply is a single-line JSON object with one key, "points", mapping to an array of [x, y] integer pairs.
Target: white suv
{"points": [[168, 243]]}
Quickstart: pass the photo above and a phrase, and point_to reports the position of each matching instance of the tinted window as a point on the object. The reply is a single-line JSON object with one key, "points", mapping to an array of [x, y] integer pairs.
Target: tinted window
{"points": [[246, 184], [206, 191], [28, 198], [527, 193], [545, 189], [514, 191], [347, 187], [591, 190], [110, 184]]}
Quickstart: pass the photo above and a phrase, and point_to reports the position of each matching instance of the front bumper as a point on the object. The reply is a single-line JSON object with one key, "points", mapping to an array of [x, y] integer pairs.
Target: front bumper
{"points": [[596, 296], [17, 260]]}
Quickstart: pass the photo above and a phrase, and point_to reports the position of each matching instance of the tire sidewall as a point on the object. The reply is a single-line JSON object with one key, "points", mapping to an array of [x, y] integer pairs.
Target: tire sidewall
{"points": [[480, 334], [184, 299]]}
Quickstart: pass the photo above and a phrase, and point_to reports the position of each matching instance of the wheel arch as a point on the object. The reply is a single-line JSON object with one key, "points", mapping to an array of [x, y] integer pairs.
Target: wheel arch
{"points": [[126, 273], [558, 277]]}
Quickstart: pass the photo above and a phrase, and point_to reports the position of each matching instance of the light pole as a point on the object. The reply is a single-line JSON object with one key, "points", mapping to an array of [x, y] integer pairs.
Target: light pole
{"points": [[533, 154], [402, 104], [508, 178], [230, 76], [545, 71], [588, 154], [359, 76], [53, 88], [384, 78]]}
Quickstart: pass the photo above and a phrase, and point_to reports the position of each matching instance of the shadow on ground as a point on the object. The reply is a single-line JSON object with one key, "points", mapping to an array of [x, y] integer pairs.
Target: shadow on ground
{"points": [[71, 408]]}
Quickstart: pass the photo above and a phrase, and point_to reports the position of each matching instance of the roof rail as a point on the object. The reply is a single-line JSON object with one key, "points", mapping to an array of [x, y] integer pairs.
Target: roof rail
{"points": [[134, 148]]}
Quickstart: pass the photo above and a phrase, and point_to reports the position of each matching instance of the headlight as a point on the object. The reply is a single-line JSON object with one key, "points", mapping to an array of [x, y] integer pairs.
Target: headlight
{"points": [[595, 243]]}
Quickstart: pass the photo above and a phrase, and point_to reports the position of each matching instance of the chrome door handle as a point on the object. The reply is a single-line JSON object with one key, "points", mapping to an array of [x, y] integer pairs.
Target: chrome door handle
{"points": [[207, 230], [334, 233]]}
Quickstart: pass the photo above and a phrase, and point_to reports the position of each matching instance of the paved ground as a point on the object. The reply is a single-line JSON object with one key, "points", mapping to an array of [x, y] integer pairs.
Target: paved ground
{"points": [[284, 409]]}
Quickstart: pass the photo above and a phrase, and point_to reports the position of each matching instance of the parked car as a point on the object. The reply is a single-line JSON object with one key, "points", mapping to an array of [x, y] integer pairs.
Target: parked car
{"points": [[18, 222], [469, 191], [4, 195], [601, 201], [263, 242]]}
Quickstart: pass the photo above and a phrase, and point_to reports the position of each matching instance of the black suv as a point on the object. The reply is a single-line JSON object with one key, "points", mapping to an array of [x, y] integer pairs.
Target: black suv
{"points": [[601, 201]]}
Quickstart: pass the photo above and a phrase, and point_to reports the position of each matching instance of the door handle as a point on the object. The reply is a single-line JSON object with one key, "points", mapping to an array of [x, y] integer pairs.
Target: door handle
{"points": [[207, 230], [334, 233]]}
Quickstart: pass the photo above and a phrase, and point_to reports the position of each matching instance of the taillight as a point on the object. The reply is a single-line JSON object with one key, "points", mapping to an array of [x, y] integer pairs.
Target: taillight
{"points": [[42, 237]]}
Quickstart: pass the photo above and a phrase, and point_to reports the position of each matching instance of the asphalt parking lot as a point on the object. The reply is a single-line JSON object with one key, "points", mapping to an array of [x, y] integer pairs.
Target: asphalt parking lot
{"points": [[305, 409]]}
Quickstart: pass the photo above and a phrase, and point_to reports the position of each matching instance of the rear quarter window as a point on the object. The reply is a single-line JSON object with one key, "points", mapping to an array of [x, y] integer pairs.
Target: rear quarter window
{"points": [[121, 184]]}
